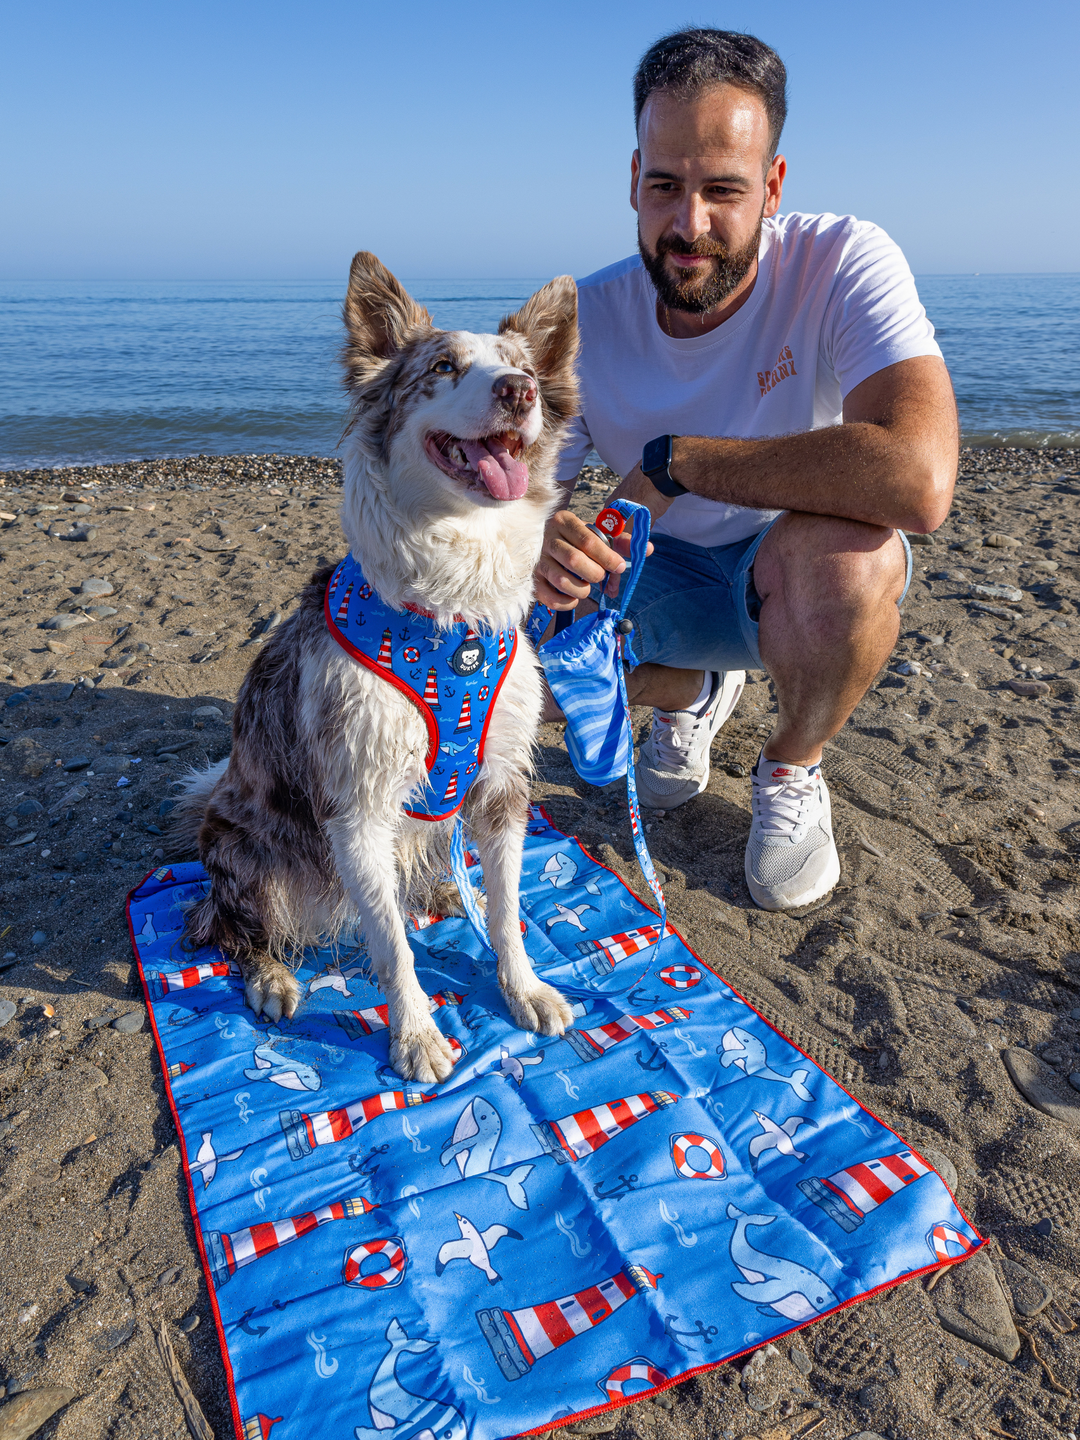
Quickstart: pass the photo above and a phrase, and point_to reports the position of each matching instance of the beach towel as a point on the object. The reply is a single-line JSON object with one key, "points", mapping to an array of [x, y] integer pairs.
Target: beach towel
{"points": [[563, 1225]]}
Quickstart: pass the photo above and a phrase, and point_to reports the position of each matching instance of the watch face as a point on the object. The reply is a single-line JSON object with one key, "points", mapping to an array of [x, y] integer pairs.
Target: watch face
{"points": [[656, 454]]}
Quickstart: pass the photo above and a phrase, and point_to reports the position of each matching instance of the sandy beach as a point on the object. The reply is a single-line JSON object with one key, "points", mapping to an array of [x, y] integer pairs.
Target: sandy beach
{"points": [[940, 983]]}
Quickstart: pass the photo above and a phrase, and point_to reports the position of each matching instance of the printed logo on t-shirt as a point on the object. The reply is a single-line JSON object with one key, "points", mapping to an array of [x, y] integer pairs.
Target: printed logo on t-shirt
{"points": [[785, 365]]}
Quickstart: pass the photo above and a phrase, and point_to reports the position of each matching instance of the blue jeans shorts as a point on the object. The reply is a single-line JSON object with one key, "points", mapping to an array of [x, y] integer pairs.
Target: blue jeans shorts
{"points": [[697, 609]]}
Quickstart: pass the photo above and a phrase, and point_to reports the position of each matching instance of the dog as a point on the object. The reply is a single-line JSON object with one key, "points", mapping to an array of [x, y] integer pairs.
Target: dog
{"points": [[310, 827]]}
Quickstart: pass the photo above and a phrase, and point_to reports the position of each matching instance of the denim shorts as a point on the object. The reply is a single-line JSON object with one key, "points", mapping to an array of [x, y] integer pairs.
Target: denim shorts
{"points": [[697, 609]]}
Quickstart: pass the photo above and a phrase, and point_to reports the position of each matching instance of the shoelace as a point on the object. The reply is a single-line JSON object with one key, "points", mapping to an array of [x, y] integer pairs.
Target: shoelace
{"points": [[780, 809], [669, 741]]}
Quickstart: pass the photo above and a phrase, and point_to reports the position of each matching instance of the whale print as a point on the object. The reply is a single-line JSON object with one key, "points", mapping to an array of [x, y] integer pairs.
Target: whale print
{"points": [[560, 871], [739, 1047], [777, 1286], [281, 1070], [398, 1414], [475, 1137]]}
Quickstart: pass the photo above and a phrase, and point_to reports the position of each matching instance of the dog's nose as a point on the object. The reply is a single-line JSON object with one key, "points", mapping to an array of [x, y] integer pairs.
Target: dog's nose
{"points": [[515, 389]]}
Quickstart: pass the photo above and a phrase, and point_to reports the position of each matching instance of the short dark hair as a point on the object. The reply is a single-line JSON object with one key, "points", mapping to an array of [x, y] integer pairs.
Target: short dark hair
{"points": [[690, 61]]}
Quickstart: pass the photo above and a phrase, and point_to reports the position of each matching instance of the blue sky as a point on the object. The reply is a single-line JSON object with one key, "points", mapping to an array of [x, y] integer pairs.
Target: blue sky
{"points": [[241, 140]]}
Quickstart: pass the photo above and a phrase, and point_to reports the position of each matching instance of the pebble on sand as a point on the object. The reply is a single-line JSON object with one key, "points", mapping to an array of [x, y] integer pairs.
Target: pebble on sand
{"points": [[1042, 1087], [29, 1410], [96, 586], [970, 1304], [129, 1024]]}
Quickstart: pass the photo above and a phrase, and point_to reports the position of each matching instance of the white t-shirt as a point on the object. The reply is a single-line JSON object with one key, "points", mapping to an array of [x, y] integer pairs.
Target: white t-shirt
{"points": [[834, 302]]}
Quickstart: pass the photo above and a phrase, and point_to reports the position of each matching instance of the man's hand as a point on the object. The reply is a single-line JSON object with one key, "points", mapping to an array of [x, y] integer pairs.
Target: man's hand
{"points": [[573, 558]]}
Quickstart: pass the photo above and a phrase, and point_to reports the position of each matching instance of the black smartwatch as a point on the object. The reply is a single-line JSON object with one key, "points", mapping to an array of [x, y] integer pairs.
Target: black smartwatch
{"points": [[655, 459]]}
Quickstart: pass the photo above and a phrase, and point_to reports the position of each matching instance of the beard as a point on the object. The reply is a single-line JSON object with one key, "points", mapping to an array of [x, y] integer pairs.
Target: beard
{"points": [[700, 291]]}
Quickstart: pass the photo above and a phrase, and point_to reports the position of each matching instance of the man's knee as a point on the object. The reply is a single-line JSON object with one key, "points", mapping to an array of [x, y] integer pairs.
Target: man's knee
{"points": [[822, 560]]}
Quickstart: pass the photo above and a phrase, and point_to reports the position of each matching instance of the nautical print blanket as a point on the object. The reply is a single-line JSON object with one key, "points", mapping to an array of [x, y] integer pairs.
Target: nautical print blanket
{"points": [[560, 1227]]}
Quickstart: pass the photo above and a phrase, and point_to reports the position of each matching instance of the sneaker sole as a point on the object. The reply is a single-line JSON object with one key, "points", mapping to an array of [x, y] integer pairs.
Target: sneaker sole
{"points": [[728, 698]]}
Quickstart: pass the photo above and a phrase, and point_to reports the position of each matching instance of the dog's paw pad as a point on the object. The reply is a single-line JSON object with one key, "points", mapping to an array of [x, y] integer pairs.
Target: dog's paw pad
{"points": [[541, 1010], [271, 990], [424, 1056]]}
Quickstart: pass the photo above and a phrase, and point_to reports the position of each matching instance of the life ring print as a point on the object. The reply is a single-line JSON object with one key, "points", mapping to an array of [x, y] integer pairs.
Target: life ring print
{"points": [[392, 1273], [947, 1243], [411, 655], [696, 1157], [680, 977], [618, 1384]]}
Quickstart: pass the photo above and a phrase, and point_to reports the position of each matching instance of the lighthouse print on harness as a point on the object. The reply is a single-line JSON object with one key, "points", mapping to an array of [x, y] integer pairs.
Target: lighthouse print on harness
{"points": [[440, 670]]}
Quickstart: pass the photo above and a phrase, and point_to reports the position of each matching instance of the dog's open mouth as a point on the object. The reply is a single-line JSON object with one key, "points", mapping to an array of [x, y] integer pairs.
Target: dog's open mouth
{"points": [[491, 462]]}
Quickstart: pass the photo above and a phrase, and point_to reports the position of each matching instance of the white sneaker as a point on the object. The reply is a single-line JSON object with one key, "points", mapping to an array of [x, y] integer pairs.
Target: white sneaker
{"points": [[673, 764], [791, 857]]}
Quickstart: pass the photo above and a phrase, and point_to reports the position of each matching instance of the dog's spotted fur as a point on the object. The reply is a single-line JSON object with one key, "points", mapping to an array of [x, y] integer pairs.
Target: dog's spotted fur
{"points": [[301, 831]]}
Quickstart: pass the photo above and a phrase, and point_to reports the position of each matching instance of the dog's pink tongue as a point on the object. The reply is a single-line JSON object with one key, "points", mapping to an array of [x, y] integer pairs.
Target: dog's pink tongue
{"points": [[505, 477]]}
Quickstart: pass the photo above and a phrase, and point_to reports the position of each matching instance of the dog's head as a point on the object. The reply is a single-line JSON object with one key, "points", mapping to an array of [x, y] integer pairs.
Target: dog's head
{"points": [[455, 420]]}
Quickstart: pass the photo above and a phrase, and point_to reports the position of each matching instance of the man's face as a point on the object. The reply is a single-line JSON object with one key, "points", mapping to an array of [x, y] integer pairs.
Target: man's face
{"points": [[701, 183]]}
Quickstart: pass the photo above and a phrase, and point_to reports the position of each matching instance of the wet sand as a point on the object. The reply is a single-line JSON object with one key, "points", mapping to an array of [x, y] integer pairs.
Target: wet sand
{"points": [[951, 944]]}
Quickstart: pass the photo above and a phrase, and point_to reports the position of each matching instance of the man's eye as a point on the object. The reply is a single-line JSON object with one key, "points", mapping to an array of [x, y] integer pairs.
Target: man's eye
{"points": [[444, 367]]}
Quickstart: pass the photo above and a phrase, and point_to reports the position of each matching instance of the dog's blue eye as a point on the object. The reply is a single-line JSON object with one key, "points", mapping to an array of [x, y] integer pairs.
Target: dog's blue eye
{"points": [[443, 367]]}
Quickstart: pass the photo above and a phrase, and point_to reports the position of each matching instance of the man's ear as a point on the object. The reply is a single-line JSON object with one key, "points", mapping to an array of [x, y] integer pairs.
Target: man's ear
{"points": [[549, 323], [635, 173], [380, 317]]}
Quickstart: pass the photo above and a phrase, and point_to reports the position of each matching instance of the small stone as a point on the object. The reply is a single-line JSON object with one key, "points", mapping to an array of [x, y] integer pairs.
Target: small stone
{"points": [[95, 586], [24, 1415], [7, 1012], [101, 612], [64, 622], [80, 762], [918, 539], [1074, 1079], [999, 592], [1042, 1087], [129, 1024], [207, 712], [165, 807], [1029, 1295], [19, 697], [1034, 811], [115, 1337], [909, 667], [971, 1305], [169, 1277], [943, 1165], [97, 1021], [872, 1395], [23, 839], [39, 938], [1029, 688], [800, 1359], [55, 648], [90, 533], [190, 1322], [997, 541], [1046, 567], [30, 807], [740, 772], [1044, 1227]]}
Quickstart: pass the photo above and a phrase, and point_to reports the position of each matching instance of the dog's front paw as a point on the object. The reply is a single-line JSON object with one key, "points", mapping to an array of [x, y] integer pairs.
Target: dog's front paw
{"points": [[422, 1055], [540, 1009], [271, 990]]}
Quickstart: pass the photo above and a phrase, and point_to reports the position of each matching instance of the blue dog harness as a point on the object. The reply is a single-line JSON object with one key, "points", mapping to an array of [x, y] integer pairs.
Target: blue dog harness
{"points": [[451, 675]]}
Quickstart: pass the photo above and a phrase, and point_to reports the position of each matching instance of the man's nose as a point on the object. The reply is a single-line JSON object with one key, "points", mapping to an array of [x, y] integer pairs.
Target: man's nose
{"points": [[693, 219], [515, 389]]}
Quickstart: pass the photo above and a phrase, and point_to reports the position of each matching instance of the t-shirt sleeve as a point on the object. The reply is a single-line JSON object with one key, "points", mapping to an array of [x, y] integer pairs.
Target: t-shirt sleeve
{"points": [[874, 317], [574, 453]]}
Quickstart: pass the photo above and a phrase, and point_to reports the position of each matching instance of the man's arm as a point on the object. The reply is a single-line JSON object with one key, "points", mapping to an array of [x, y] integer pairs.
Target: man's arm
{"points": [[892, 462]]}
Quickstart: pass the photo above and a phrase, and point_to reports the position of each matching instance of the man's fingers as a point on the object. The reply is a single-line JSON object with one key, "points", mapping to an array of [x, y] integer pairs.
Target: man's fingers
{"points": [[554, 599], [569, 537]]}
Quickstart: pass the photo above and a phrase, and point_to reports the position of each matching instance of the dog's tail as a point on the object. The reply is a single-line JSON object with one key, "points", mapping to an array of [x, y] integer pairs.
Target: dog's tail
{"points": [[187, 815]]}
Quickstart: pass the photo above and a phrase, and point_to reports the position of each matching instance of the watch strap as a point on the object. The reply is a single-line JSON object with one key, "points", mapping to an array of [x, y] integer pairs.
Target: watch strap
{"points": [[655, 460]]}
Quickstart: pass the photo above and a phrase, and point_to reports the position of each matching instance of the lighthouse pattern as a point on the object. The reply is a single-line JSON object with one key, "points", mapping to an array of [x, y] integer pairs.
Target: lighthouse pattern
{"points": [[591, 1044], [424, 663], [851, 1194], [562, 1214], [519, 1338], [577, 1136]]}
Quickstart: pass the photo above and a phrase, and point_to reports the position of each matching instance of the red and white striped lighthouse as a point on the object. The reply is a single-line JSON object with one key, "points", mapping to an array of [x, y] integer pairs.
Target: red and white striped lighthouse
{"points": [[573, 1137], [384, 657], [357, 1023], [304, 1132], [343, 608], [518, 1338], [166, 982], [605, 954], [850, 1194], [591, 1044], [431, 689], [258, 1426], [500, 658], [465, 718], [228, 1253], [451, 789]]}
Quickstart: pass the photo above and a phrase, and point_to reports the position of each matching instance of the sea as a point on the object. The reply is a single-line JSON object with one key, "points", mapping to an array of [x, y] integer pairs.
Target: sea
{"points": [[99, 371]]}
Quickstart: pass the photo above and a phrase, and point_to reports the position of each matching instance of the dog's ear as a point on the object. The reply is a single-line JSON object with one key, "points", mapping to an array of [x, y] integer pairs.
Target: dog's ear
{"points": [[380, 317], [549, 323]]}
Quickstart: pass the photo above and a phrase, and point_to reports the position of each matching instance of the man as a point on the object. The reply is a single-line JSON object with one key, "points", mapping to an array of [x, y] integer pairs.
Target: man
{"points": [[801, 419]]}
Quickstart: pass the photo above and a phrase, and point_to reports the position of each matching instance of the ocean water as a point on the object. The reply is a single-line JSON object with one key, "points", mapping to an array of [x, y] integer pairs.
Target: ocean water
{"points": [[99, 371]]}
